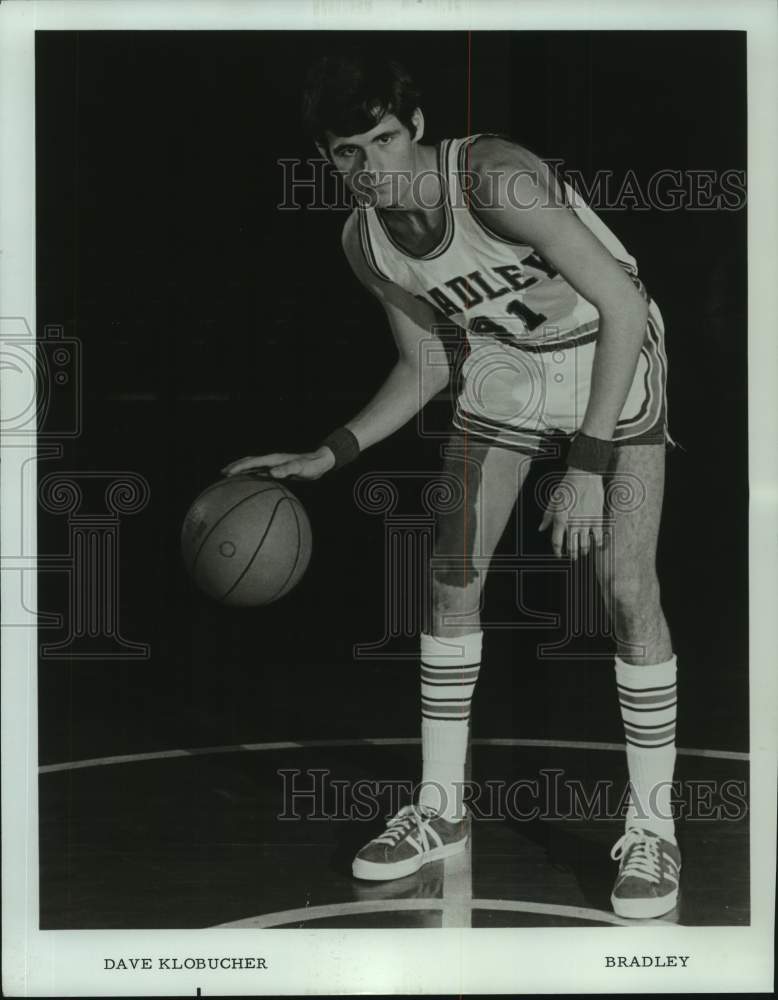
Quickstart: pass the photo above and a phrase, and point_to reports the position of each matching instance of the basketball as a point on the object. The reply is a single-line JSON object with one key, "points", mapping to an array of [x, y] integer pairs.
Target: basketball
{"points": [[246, 541]]}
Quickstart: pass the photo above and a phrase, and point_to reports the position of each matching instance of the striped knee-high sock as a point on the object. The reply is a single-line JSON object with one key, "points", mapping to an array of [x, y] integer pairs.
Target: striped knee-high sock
{"points": [[647, 698], [449, 671]]}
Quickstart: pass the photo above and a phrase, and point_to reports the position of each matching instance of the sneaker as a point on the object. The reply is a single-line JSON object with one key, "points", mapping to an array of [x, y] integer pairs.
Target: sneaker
{"points": [[649, 869], [414, 837]]}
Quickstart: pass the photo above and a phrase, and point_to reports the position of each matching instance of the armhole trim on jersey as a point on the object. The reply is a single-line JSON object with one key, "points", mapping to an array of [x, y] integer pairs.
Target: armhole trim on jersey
{"points": [[461, 171], [630, 268], [487, 229], [367, 247]]}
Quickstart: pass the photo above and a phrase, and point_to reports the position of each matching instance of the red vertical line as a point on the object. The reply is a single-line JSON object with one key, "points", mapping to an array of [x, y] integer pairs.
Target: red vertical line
{"points": [[467, 208]]}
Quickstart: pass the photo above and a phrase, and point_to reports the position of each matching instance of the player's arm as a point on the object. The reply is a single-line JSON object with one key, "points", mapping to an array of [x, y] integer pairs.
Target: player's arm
{"points": [[420, 371], [418, 374], [526, 206]]}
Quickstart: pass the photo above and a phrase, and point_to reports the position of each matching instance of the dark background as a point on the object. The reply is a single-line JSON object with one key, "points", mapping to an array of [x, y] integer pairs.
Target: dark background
{"points": [[213, 325]]}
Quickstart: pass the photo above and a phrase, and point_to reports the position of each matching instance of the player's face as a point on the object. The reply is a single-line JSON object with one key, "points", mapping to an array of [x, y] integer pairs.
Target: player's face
{"points": [[379, 165]]}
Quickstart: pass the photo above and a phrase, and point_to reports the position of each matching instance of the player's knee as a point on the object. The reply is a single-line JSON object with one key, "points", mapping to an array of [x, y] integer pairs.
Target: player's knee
{"points": [[454, 606], [453, 564], [632, 594], [447, 596]]}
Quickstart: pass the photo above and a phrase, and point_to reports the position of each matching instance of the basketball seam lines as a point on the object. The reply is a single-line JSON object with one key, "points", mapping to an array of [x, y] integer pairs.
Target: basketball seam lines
{"points": [[228, 511], [297, 556], [247, 567], [228, 479]]}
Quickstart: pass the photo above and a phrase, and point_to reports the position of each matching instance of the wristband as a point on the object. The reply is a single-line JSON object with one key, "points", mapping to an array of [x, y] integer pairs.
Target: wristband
{"points": [[590, 454], [343, 445]]}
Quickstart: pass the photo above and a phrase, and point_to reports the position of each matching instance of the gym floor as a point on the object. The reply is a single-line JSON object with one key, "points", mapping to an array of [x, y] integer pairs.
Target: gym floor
{"points": [[210, 325], [198, 838]]}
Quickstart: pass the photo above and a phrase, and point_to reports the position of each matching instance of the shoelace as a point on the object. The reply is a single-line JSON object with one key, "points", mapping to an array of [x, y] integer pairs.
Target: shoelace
{"points": [[641, 855], [402, 824]]}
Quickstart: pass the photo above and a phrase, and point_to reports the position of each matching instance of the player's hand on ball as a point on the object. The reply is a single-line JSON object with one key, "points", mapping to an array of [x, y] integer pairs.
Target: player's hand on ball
{"points": [[311, 465], [575, 510]]}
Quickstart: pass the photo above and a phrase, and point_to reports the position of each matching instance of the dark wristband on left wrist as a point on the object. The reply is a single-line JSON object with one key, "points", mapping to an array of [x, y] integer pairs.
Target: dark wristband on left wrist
{"points": [[343, 445], [590, 454]]}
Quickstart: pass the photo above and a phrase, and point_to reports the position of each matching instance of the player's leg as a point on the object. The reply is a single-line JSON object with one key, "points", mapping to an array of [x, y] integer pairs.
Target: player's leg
{"points": [[626, 567], [488, 480], [482, 483], [645, 677]]}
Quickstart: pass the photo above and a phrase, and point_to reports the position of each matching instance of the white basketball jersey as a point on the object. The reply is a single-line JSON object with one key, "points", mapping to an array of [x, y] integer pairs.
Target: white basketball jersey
{"points": [[494, 288]]}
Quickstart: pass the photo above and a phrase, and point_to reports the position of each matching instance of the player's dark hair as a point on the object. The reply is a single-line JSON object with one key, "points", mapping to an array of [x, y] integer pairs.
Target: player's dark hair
{"points": [[349, 93]]}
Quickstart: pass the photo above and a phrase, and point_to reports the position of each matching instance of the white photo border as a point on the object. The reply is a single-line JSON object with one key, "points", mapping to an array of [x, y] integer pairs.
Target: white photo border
{"points": [[526, 960]]}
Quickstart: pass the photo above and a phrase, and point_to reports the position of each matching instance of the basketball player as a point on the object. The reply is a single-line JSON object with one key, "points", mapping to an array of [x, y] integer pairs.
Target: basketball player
{"points": [[564, 346]]}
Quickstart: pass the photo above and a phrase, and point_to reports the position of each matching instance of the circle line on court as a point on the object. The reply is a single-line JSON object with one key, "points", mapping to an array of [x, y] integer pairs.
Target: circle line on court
{"points": [[379, 741], [328, 910]]}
